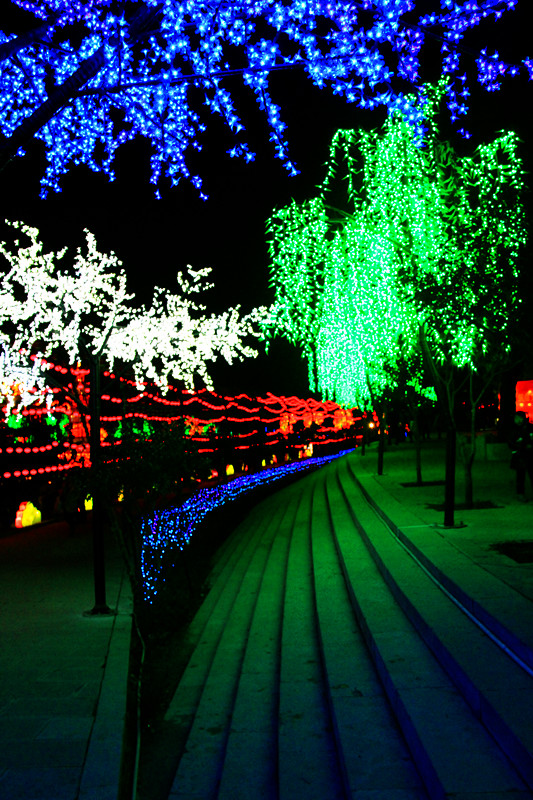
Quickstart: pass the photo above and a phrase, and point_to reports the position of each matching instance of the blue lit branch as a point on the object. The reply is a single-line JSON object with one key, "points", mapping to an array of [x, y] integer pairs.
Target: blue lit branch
{"points": [[151, 69]]}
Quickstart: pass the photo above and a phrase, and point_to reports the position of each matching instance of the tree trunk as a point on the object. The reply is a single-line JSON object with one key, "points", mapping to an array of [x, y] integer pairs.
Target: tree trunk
{"points": [[449, 485], [418, 457], [131, 740], [98, 513], [469, 483], [468, 448], [507, 402], [381, 441], [417, 439], [446, 398], [469, 454]]}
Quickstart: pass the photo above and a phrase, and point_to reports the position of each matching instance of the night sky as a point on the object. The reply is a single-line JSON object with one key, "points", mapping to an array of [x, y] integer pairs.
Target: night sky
{"points": [[156, 238]]}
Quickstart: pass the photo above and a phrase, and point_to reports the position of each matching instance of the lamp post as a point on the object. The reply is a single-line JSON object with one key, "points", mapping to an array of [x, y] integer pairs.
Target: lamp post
{"points": [[100, 607]]}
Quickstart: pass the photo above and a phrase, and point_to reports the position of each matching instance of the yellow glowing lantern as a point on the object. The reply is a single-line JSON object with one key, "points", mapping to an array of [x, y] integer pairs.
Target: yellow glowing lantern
{"points": [[307, 419], [338, 419], [27, 515], [284, 423], [318, 417]]}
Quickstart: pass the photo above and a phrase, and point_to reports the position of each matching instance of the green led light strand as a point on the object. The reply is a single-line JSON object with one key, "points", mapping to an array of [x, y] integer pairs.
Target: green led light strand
{"points": [[421, 239]]}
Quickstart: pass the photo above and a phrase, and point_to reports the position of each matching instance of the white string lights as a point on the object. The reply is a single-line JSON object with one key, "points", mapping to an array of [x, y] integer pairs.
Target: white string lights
{"points": [[82, 310]]}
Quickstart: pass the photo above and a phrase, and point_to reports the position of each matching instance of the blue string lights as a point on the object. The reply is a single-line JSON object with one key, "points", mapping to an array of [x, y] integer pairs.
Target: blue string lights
{"points": [[169, 531], [96, 77]]}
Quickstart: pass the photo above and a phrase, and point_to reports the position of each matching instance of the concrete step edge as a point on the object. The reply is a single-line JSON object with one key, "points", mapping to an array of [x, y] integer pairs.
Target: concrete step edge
{"points": [[307, 762], [438, 767], [256, 776], [211, 699], [495, 623], [464, 668], [213, 612], [356, 750]]}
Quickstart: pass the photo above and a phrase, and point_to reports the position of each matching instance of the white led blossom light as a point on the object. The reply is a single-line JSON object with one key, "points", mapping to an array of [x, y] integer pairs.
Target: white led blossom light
{"points": [[83, 310]]}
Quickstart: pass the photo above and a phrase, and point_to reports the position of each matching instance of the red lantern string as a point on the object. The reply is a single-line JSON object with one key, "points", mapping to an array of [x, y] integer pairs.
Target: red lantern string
{"points": [[278, 415]]}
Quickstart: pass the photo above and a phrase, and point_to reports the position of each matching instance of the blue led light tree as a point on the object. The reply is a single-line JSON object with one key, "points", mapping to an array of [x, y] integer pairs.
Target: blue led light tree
{"points": [[90, 75]]}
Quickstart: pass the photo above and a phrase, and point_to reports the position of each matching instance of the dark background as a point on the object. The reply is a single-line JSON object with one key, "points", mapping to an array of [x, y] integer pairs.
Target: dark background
{"points": [[156, 238]]}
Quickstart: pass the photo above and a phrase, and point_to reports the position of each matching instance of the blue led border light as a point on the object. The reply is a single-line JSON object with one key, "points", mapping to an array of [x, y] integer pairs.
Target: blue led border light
{"points": [[171, 529]]}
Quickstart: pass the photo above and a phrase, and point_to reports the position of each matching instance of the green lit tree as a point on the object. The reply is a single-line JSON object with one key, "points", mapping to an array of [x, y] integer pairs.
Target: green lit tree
{"points": [[422, 258], [468, 301], [364, 324], [338, 295]]}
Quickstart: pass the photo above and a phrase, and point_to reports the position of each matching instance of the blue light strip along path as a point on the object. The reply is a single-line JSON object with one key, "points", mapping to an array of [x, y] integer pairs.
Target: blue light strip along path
{"points": [[171, 529]]}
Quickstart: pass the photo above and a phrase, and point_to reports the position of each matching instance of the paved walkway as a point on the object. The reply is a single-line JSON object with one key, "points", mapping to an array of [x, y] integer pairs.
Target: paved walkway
{"points": [[321, 639], [63, 675], [494, 482]]}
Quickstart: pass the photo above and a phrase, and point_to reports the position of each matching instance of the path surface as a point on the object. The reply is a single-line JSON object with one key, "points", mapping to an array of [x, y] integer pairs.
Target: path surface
{"points": [[63, 675], [340, 655]]}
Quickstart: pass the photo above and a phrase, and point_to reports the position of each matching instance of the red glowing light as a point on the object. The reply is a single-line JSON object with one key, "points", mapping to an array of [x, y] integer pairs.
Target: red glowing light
{"points": [[524, 397]]}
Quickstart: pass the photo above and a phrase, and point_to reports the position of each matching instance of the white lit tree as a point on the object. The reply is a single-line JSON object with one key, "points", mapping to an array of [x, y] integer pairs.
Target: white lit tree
{"points": [[86, 76], [79, 310], [82, 310]]}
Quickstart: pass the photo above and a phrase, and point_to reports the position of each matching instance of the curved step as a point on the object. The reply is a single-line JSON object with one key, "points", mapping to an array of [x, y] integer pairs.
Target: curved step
{"points": [[309, 679], [505, 613], [469, 658], [307, 758], [208, 685], [251, 749], [204, 629], [371, 747]]}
